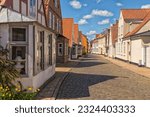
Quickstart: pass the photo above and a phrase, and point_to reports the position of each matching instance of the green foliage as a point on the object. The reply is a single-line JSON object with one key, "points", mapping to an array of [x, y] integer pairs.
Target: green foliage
{"points": [[9, 89], [8, 73], [14, 93]]}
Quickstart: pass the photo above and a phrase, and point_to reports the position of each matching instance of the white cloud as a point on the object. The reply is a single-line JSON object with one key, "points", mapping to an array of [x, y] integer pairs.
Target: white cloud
{"points": [[82, 22], [87, 17], [92, 32], [75, 4], [98, 1], [145, 6], [85, 5], [119, 4], [105, 13], [106, 21]]}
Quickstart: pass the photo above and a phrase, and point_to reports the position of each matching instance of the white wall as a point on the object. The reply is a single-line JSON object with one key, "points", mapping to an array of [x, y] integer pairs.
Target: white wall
{"points": [[4, 29], [136, 51], [23, 8], [16, 5], [148, 56], [30, 80]]}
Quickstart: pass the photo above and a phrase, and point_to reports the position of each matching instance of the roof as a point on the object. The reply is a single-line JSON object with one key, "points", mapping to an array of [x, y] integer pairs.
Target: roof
{"points": [[134, 13], [101, 36], [146, 19]]}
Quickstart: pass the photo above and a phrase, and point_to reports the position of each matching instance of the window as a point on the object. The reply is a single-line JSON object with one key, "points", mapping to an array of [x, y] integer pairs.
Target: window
{"points": [[66, 48], [50, 49], [57, 25], [56, 3], [60, 49], [19, 50], [18, 34], [53, 22], [32, 9], [40, 51], [50, 19]]}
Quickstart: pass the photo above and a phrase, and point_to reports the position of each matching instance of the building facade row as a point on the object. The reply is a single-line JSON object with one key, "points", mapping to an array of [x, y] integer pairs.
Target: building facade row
{"points": [[128, 39], [37, 38]]}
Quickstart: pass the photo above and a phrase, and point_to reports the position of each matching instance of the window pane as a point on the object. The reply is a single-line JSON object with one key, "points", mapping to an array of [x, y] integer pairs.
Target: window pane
{"points": [[18, 51], [18, 34]]}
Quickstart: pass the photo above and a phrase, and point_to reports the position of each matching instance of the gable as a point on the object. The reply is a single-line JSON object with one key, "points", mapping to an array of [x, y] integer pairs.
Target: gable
{"points": [[145, 28]]}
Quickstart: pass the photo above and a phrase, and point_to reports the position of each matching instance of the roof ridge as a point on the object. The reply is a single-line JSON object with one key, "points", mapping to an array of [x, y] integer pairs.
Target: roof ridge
{"points": [[146, 16]]}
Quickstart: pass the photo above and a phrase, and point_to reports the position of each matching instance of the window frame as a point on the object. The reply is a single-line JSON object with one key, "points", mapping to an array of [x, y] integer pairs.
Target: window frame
{"points": [[20, 43], [60, 54]]}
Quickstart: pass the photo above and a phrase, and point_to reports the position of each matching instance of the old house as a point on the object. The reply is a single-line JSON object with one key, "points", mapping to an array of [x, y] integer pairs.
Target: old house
{"points": [[54, 21], [112, 39], [84, 41], [131, 45], [29, 30], [139, 40], [71, 31]]}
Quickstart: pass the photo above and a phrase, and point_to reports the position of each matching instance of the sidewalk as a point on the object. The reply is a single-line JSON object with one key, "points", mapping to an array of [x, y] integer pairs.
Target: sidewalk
{"points": [[51, 87], [134, 68]]}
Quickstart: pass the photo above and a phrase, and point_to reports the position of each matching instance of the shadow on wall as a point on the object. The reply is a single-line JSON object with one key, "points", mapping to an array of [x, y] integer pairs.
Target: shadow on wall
{"points": [[77, 85]]}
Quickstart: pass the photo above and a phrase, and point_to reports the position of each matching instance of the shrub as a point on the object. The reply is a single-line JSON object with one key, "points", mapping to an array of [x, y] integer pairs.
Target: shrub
{"points": [[9, 89]]}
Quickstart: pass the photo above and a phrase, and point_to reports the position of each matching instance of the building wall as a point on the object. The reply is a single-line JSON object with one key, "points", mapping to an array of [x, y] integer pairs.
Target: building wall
{"points": [[121, 47], [64, 57], [68, 29], [145, 28], [76, 33], [101, 45], [136, 51], [34, 77], [84, 44]]}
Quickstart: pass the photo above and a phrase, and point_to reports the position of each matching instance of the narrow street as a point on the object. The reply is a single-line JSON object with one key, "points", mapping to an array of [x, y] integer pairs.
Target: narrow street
{"points": [[97, 78]]}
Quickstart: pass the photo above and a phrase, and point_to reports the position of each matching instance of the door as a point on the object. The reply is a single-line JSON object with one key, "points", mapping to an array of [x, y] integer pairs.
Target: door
{"points": [[148, 56]]}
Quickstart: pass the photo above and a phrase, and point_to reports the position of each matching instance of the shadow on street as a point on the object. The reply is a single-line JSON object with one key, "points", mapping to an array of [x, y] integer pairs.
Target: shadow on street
{"points": [[77, 85]]}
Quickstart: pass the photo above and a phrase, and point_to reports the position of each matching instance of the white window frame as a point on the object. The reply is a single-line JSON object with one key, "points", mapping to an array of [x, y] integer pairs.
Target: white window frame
{"points": [[50, 19], [60, 54], [32, 9], [53, 22], [39, 45], [20, 43], [50, 38], [56, 3]]}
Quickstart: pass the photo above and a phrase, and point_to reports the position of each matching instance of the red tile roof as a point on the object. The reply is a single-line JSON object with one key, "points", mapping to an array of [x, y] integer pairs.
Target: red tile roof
{"points": [[134, 13], [146, 19]]}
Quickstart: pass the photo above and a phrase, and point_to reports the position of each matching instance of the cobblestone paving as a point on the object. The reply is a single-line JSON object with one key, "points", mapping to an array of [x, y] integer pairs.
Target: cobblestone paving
{"points": [[97, 78]]}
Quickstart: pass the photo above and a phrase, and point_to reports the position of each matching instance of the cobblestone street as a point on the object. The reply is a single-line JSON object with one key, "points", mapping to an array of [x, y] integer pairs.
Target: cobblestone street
{"points": [[97, 78]]}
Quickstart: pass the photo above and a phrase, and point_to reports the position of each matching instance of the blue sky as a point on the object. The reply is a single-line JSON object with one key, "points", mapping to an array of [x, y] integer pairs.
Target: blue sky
{"points": [[93, 16]]}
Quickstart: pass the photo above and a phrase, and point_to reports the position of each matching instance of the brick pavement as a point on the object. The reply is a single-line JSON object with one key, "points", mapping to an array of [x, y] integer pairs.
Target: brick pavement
{"points": [[134, 68], [50, 89], [95, 77]]}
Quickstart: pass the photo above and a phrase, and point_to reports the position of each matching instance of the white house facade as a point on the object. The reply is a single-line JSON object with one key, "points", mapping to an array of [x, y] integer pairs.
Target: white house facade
{"points": [[31, 43]]}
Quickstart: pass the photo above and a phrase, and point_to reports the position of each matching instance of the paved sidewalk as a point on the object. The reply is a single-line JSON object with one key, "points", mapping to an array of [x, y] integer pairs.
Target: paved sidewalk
{"points": [[51, 87], [134, 68]]}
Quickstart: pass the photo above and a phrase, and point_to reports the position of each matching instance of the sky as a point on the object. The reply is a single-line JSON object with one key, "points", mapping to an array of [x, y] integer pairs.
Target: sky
{"points": [[94, 16]]}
